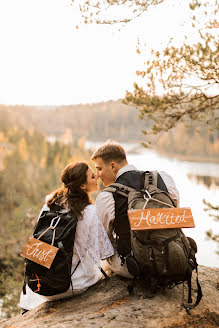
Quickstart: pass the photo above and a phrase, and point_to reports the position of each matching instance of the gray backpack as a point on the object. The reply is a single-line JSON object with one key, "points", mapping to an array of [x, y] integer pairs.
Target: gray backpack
{"points": [[165, 256]]}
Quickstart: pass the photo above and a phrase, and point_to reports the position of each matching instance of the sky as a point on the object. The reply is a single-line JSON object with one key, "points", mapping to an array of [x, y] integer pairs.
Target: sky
{"points": [[46, 60]]}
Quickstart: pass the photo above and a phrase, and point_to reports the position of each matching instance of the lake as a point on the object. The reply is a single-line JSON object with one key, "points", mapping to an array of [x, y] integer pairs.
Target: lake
{"points": [[195, 182]]}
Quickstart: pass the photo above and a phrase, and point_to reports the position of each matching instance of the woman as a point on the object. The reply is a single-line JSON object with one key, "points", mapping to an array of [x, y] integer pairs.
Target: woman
{"points": [[91, 241]]}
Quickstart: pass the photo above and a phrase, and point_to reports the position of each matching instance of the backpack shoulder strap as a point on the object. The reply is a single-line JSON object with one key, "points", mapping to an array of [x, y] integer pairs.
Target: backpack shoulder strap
{"points": [[155, 176], [119, 188]]}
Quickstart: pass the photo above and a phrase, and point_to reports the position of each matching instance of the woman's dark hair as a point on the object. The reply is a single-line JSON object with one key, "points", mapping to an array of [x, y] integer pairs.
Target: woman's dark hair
{"points": [[70, 194]]}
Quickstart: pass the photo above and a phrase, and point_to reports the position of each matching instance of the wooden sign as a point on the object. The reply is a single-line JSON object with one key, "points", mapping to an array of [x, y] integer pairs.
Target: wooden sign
{"points": [[39, 252], [161, 218]]}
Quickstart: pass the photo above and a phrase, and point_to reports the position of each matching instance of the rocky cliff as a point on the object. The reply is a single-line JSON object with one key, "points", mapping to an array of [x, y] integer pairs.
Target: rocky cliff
{"points": [[109, 305]]}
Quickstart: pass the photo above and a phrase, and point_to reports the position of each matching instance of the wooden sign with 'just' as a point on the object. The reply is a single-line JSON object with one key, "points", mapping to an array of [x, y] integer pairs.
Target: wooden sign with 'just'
{"points": [[161, 218], [39, 252]]}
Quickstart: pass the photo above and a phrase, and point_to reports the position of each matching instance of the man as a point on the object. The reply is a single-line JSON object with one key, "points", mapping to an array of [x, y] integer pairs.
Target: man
{"points": [[112, 166]]}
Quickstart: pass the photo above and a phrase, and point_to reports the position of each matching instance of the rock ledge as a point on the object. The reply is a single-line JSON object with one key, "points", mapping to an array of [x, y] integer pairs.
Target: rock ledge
{"points": [[108, 304]]}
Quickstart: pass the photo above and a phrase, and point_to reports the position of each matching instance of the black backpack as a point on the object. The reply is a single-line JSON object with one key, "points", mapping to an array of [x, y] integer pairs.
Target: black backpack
{"points": [[57, 279], [163, 257]]}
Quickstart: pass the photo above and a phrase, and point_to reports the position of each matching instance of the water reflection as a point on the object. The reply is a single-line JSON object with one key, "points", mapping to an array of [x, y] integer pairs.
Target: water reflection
{"points": [[205, 180]]}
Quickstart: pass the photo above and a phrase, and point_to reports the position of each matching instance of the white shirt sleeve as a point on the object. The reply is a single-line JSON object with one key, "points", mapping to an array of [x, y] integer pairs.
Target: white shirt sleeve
{"points": [[105, 207], [171, 187]]}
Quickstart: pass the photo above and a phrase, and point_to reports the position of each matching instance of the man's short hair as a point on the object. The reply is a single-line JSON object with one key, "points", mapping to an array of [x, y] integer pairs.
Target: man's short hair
{"points": [[110, 151]]}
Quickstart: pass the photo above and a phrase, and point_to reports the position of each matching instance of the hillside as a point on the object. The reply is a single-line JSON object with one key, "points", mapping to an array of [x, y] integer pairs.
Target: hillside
{"points": [[94, 121], [111, 120]]}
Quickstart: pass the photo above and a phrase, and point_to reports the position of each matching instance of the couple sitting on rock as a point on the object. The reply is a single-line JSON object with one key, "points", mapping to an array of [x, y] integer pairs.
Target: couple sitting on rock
{"points": [[102, 236]]}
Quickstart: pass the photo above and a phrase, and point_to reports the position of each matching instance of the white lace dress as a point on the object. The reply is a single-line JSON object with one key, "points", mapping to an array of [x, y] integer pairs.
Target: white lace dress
{"points": [[91, 246]]}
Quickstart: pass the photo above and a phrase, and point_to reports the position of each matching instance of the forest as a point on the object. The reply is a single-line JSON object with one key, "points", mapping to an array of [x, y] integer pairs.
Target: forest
{"points": [[112, 120], [30, 168]]}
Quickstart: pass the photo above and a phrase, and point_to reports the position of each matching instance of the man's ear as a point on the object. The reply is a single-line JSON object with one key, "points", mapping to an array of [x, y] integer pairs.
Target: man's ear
{"points": [[114, 167]]}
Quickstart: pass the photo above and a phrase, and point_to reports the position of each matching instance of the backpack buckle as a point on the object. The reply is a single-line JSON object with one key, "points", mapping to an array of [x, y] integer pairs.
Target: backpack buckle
{"points": [[122, 258], [122, 189], [132, 265], [150, 178]]}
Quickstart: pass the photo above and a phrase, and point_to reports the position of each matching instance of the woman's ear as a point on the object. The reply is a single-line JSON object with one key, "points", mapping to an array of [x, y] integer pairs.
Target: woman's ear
{"points": [[83, 187]]}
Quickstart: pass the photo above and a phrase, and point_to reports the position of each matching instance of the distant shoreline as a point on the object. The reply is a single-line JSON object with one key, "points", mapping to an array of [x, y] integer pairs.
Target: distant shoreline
{"points": [[138, 147], [189, 158]]}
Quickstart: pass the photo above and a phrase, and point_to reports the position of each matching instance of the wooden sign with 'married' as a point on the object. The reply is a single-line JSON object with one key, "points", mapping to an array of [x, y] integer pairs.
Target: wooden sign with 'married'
{"points": [[39, 252], [161, 218]]}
